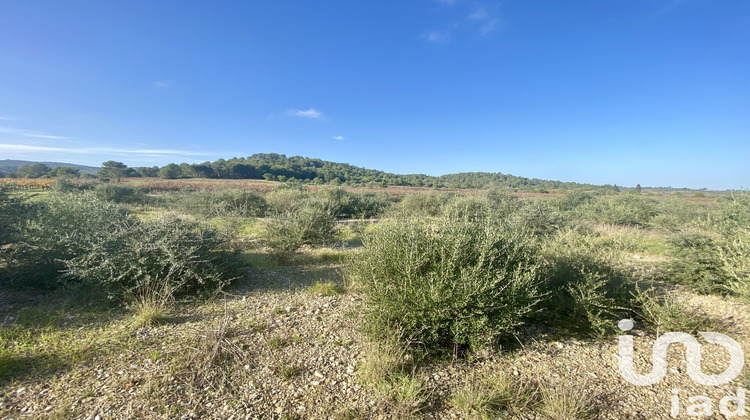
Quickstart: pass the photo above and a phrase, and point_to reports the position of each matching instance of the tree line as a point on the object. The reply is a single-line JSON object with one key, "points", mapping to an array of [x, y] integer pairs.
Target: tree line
{"points": [[279, 167]]}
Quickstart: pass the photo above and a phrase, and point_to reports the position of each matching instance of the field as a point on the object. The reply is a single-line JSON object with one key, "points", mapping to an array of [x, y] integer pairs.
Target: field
{"points": [[256, 299]]}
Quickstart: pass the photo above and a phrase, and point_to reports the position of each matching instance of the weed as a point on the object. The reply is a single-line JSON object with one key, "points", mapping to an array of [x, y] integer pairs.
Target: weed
{"points": [[491, 396], [325, 288]]}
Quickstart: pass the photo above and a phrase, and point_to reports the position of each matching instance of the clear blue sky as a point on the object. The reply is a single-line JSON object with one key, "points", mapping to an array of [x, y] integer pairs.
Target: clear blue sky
{"points": [[655, 92]]}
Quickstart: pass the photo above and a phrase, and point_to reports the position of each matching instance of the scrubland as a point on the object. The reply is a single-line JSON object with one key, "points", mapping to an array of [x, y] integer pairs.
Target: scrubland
{"points": [[120, 300]]}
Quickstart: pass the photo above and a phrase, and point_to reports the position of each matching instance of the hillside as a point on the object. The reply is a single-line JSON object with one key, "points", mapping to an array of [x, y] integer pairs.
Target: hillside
{"points": [[278, 167], [9, 165]]}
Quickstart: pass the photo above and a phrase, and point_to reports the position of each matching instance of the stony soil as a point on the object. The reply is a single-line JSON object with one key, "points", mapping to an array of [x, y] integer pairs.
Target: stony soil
{"points": [[275, 350]]}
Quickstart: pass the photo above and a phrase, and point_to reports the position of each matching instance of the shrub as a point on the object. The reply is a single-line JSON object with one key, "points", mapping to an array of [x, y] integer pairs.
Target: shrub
{"points": [[286, 197], [60, 228], [428, 203], [120, 194], [217, 203], [167, 256], [538, 217], [586, 288], [450, 285], [503, 202], [714, 256], [734, 255], [623, 209], [697, 262], [470, 208], [11, 208], [675, 213], [573, 200], [354, 204], [309, 222]]}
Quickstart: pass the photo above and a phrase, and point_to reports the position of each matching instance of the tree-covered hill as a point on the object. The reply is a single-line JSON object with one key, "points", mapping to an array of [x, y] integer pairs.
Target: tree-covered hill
{"points": [[277, 167]]}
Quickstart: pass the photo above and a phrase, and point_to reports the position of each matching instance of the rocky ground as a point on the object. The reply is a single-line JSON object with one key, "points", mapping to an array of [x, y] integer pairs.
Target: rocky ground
{"points": [[279, 347]]}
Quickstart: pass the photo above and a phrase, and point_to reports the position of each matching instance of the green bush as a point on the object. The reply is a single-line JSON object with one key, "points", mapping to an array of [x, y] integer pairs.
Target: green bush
{"points": [[539, 217], [286, 198], [12, 207], [217, 203], [169, 254], [676, 213], [696, 261], [714, 257], [623, 209], [427, 203], [311, 221], [573, 200], [451, 284], [57, 229], [587, 289], [503, 202], [472, 208], [356, 204], [120, 194]]}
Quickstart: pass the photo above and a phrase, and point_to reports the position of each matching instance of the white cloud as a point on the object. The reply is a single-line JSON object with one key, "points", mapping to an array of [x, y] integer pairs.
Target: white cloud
{"points": [[339, 138], [6, 118], [160, 84], [489, 26], [97, 150], [29, 133], [309, 113], [479, 13], [437, 37], [483, 18]]}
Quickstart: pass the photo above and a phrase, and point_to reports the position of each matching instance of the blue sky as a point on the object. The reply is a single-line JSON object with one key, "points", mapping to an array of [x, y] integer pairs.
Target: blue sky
{"points": [[655, 92]]}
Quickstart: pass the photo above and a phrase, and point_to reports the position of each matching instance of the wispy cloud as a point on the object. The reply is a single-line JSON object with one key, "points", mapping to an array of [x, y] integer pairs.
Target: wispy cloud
{"points": [[479, 13], [477, 16], [489, 26], [161, 84], [437, 37], [483, 18], [308, 113], [338, 138], [6, 118], [29, 133], [99, 150]]}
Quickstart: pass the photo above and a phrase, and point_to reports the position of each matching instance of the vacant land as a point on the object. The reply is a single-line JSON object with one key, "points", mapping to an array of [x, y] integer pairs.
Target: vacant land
{"points": [[255, 299]]}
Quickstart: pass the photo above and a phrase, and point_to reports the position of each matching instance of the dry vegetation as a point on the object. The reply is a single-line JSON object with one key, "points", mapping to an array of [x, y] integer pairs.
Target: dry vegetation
{"points": [[212, 321]]}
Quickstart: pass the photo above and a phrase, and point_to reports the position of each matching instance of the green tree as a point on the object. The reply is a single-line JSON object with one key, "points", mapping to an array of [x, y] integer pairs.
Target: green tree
{"points": [[64, 171], [113, 170], [36, 170], [171, 171], [638, 189]]}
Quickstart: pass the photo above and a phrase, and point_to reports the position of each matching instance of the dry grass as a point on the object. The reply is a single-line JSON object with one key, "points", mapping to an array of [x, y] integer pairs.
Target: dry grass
{"points": [[490, 396], [325, 288], [566, 403], [215, 358]]}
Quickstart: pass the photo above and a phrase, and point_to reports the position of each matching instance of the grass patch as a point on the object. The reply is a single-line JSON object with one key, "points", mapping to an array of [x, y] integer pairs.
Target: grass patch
{"points": [[276, 343], [665, 312], [566, 403], [491, 396], [325, 288]]}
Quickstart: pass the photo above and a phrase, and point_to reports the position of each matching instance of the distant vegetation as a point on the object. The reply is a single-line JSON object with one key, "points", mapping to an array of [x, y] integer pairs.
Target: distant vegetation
{"points": [[432, 277], [27, 169], [276, 167]]}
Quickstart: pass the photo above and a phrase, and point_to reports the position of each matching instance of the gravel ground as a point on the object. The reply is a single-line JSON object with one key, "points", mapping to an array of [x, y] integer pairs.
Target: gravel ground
{"points": [[278, 351]]}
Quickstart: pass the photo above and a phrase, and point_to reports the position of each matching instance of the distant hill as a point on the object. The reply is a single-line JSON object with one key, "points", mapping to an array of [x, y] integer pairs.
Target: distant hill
{"points": [[8, 165], [277, 167]]}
